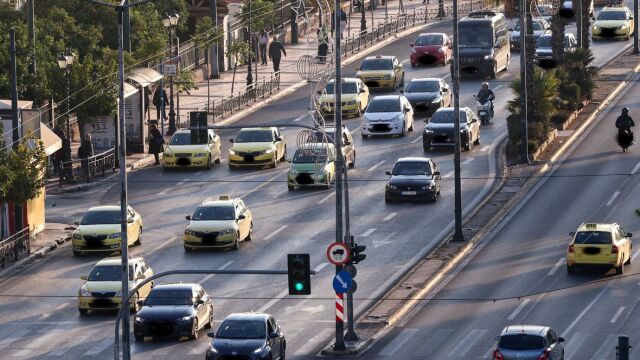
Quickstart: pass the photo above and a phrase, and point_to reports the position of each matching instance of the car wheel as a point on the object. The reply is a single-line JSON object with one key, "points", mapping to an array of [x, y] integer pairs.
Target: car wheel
{"points": [[209, 323], [387, 199], [209, 163], [284, 154], [77, 253], [628, 261], [236, 246], [250, 234], [477, 142], [232, 167], [290, 187], [139, 239], [275, 161], [403, 127], [83, 312], [360, 112], [138, 337], [434, 196], [329, 182], [136, 307], [187, 249], [364, 136], [284, 351], [494, 72], [467, 145], [352, 164], [620, 269], [411, 127], [402, 81], [218, 160], [426, 146], [194, 331], [571, 269]]}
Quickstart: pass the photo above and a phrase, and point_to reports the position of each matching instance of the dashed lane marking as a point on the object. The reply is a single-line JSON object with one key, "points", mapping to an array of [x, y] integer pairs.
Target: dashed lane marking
{"points": [[271, 302], [613, 198], [448, 175], [463, 347], [320, 267], [278, 230], [485, 148], [573, 344], [518, 309], [556, 267], [636, 168], [299, 118], [220, 268], [368, 232], [375, 166], [467, 161], [329, 196], [617, 314], [607, 349], [390, 216], [416, 139]]}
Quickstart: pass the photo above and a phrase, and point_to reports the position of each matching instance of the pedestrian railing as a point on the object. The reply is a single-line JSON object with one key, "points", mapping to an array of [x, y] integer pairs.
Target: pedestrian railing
{"points": [[16, 245], [87, 169]]}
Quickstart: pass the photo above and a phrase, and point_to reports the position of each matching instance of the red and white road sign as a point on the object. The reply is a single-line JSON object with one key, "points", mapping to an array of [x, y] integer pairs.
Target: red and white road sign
{"points": [[339, 308], [338, 253]]}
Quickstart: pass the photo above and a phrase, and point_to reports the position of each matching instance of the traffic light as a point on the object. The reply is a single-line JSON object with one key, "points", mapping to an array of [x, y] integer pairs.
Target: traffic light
{"points": [[299, 272], [357, 253]]}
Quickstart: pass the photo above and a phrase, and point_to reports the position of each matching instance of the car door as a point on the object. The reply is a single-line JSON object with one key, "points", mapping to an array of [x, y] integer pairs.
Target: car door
{"points": [[146, 273], [363, 94], [133, 226], [409, 114], [554, 345], [272, 340], [279, 143], [624, 242], [436, 176]]}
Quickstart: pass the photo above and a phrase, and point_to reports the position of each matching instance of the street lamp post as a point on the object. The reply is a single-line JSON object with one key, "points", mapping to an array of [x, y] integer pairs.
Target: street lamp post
{"points": [[65, 60], [363, 20], [249, 74], [170, 22]]}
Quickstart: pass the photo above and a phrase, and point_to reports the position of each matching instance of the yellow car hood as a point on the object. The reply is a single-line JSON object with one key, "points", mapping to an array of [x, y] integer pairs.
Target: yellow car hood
{"points": [[211, 225], [253, 146], [104, 229], [332, 98], [191, 149], [97, 286], [374, 73], [610, 23]]}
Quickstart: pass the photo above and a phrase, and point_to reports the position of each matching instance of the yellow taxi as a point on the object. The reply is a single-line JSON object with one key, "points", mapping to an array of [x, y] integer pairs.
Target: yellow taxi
{"points": [[381, 71], [257, 147], [613, 22], [201, 150], [313, 165], [99, 230], [218, 224], [599, 245], [355, 97], [102, 287]]}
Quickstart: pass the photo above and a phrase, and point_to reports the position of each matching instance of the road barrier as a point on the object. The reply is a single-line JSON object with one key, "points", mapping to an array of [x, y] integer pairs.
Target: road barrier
{"points": [[15, 245], [87, 169]]}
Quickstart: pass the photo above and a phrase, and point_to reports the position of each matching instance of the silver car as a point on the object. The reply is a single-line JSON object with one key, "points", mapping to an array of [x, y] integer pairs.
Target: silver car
{"points": [[528, 342], [387, 115]]}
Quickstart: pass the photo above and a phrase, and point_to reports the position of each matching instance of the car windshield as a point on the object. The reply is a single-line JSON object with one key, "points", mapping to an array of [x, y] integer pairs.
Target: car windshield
{"points": [[544, 42], [446, 117], [181, 139], [479, 35], [384, 105], [536, 26], [593, 237], [242, 329], [169, 297], [612, 15], [254, 136], [377, 64], [305, 156], [423, 86], [429, 40], [521, 342], [347, 88], [412, 168], [108, 273], [214, 213], [100, 217]]}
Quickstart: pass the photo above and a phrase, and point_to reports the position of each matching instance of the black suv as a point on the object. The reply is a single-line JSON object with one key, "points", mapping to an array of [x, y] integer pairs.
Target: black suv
{"points": [[250, 336], [439, 131], [413, 178]]}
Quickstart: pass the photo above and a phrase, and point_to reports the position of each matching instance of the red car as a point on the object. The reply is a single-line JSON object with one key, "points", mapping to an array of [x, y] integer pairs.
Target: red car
{"points": [[431, 48]]}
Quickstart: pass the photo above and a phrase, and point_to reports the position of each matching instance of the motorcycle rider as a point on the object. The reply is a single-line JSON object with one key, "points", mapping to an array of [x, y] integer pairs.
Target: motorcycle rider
{"points": [[624, 123], [486, 94]]}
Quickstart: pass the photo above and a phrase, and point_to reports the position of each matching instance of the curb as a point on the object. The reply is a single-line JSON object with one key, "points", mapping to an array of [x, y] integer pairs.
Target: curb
{"points": [[8, 271]]}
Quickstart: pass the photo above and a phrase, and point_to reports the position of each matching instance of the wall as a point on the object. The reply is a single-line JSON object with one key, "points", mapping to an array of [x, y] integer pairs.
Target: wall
{"points": [[35, 213]]}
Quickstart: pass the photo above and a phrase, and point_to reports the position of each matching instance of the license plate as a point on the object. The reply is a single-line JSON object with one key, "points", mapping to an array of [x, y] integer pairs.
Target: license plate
{"points": [[408, 193], [483, 112]]}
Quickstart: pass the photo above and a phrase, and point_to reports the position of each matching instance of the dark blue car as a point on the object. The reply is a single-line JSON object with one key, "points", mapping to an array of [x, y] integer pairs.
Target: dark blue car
{"points": [[251, 336]]}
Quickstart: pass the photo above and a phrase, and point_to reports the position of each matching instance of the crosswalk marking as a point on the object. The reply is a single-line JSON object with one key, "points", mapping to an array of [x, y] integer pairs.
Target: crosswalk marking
{"points": [[434, 341], [397, 342], [13, 336], [48, 336], [101, 346], [466, 343], [607, 349], [574, 344], [311, 344]]}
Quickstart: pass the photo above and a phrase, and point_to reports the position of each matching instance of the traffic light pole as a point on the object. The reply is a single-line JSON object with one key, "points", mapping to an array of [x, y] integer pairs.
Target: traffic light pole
{"points": [[351, 334]]}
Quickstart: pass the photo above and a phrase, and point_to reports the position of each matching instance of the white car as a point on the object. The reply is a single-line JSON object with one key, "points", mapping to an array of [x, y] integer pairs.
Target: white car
{"points": [[388, 115]]}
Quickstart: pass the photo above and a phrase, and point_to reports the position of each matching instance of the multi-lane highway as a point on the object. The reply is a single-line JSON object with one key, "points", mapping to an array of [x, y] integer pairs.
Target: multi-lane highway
{"points": [[43, 320]]}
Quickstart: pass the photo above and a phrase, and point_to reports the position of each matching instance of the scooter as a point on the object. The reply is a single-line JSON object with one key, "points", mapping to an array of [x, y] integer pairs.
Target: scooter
{"points": [[483, 110], [625, 139]]}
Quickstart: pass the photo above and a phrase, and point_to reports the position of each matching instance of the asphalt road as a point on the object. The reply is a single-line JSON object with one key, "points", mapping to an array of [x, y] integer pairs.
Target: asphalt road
{"points": [[42, 319]]}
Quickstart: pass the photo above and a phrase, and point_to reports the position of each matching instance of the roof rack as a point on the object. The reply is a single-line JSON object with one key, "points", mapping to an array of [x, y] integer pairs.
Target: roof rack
{"points": [[482, 13]]}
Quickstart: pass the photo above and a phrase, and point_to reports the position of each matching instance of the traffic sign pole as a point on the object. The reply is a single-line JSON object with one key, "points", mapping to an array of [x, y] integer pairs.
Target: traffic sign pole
{"points": [[339, 308]]}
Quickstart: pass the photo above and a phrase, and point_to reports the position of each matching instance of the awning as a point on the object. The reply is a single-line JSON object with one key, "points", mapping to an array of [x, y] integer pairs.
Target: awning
{"points": [[50, 140], [144, 76], [129, 90], [5, 104]]}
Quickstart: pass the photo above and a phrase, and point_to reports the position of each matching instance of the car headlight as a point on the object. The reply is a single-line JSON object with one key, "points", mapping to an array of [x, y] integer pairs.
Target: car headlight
{"points": [[441, 50], [114, 235], [387, 77], [84, 291], [189, 232], [596, 28], [260, 350], [293, 172], [464, 129], [413, 50], [77, 236], [428, 131], [200, 154], [392, 187], [351, 102], [138, 319], [184, 318], [488, 57], [212, 349], [231, 152], [167, 155], [226, 231], [622, 27], [270, 151]]}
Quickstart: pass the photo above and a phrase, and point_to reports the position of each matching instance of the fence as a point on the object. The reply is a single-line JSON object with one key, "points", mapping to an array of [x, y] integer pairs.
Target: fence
{"points": [[87, 169], [14, 246]]}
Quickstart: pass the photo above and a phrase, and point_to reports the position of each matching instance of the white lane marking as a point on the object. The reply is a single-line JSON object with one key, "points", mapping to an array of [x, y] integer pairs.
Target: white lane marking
{"points": [[498, 87], [278, 230], [100, 347], [556, 267], [310, 344], [167, 242], [465, 344], [416, 139], [617, 314], [613, 198], [448, 175], [181, 182], [636, 168], [220, 268], [324, 199], [586, 309], [390, 216], [607, 349], [635, 255], [518, 309], [397, 342], [574, 344], [62, 306], [434, 340], [197, 173], [485, 148], [299, 118], [368, 232], [15, 336], [273, 301], [320, 267], [375, 166], [468, 160], [38, 343]]}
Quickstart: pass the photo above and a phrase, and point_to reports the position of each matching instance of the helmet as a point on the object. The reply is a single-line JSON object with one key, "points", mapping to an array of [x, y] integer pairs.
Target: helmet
{"points": [[485, 84], [625, 110]]}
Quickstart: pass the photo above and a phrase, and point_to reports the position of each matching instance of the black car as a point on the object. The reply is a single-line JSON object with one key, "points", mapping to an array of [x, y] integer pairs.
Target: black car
{"points": [[439, 131], [413, 178], [248, 336], [174, 310], [428, 94]]}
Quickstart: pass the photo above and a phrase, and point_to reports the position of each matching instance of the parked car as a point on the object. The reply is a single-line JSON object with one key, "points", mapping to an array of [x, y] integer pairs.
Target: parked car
{"points": [[544, 48], [387, 115], [428, 94], [328, 134], [431, 48], [439, 130], [528, 342], [613, 22], [540, 27], [413, 178]]}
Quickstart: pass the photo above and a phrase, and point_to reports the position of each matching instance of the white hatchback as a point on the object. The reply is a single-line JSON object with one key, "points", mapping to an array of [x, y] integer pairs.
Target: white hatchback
{"points": [[388, 115]]}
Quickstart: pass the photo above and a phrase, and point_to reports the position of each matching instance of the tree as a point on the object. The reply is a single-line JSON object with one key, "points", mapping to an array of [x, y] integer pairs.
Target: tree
{"points": [[209, 36], [558, 24], [261, 17], [241, 53]]}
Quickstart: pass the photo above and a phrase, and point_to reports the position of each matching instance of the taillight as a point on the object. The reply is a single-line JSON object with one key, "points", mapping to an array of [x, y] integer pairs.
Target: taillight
{"points": [[545, 354], [571, 250], [497, 355], [614, 249]]}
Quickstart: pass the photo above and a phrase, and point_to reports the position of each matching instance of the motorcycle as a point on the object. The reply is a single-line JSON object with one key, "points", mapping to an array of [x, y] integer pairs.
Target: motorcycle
{"points": [[484, 110], [625, 139]]}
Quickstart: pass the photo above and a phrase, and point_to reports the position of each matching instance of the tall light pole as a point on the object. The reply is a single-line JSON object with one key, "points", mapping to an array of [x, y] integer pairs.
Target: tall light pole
{"points": [[457, 235], [524, 137], [249, 74], [169, 22], [65, 61]]}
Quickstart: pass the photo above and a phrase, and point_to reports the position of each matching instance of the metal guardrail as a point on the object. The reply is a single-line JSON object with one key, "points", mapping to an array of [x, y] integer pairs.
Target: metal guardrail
{"points": [[87, 169], [15, 245]]}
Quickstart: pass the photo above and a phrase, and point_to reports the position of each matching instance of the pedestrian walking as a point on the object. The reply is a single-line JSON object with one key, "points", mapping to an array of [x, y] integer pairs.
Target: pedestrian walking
{"points": [[85, 151], [323, 43], [263, 41], [159, 104], [156, 140], [276, 49]]}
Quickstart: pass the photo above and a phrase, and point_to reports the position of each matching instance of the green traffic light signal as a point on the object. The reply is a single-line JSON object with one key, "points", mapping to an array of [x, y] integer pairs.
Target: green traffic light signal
{"points": [[299, 286], [299, 271]]}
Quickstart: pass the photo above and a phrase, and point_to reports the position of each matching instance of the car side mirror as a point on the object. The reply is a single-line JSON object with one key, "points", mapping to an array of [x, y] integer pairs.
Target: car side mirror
{"points": [[211, 334], [199, 302], [140, 302], [319, 92], [361, 91], [411, 45], [83, 277], [401, 91], [130, 220], [273, 335], [560, 339], [140, 277], [188, 217], [629, 234], [241, 217], [572, 234], [231, 140], [510, 29], [387, 173], [436, 173], [445, 90]]}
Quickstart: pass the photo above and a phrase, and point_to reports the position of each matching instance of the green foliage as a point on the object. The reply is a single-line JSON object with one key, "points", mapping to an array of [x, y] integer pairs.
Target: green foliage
{"points": [[185, 80], [262, 15], [207, 34], [241, 53], [22, 171], [576, 64]]}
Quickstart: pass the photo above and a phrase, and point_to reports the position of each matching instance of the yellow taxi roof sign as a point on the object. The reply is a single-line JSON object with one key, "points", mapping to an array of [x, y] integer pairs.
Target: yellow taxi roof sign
{"points": [[224, 197], [591, 225]]}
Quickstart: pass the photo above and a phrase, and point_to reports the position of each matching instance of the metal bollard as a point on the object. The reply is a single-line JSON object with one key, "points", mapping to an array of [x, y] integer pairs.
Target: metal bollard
{"points": [[622, 350]]}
